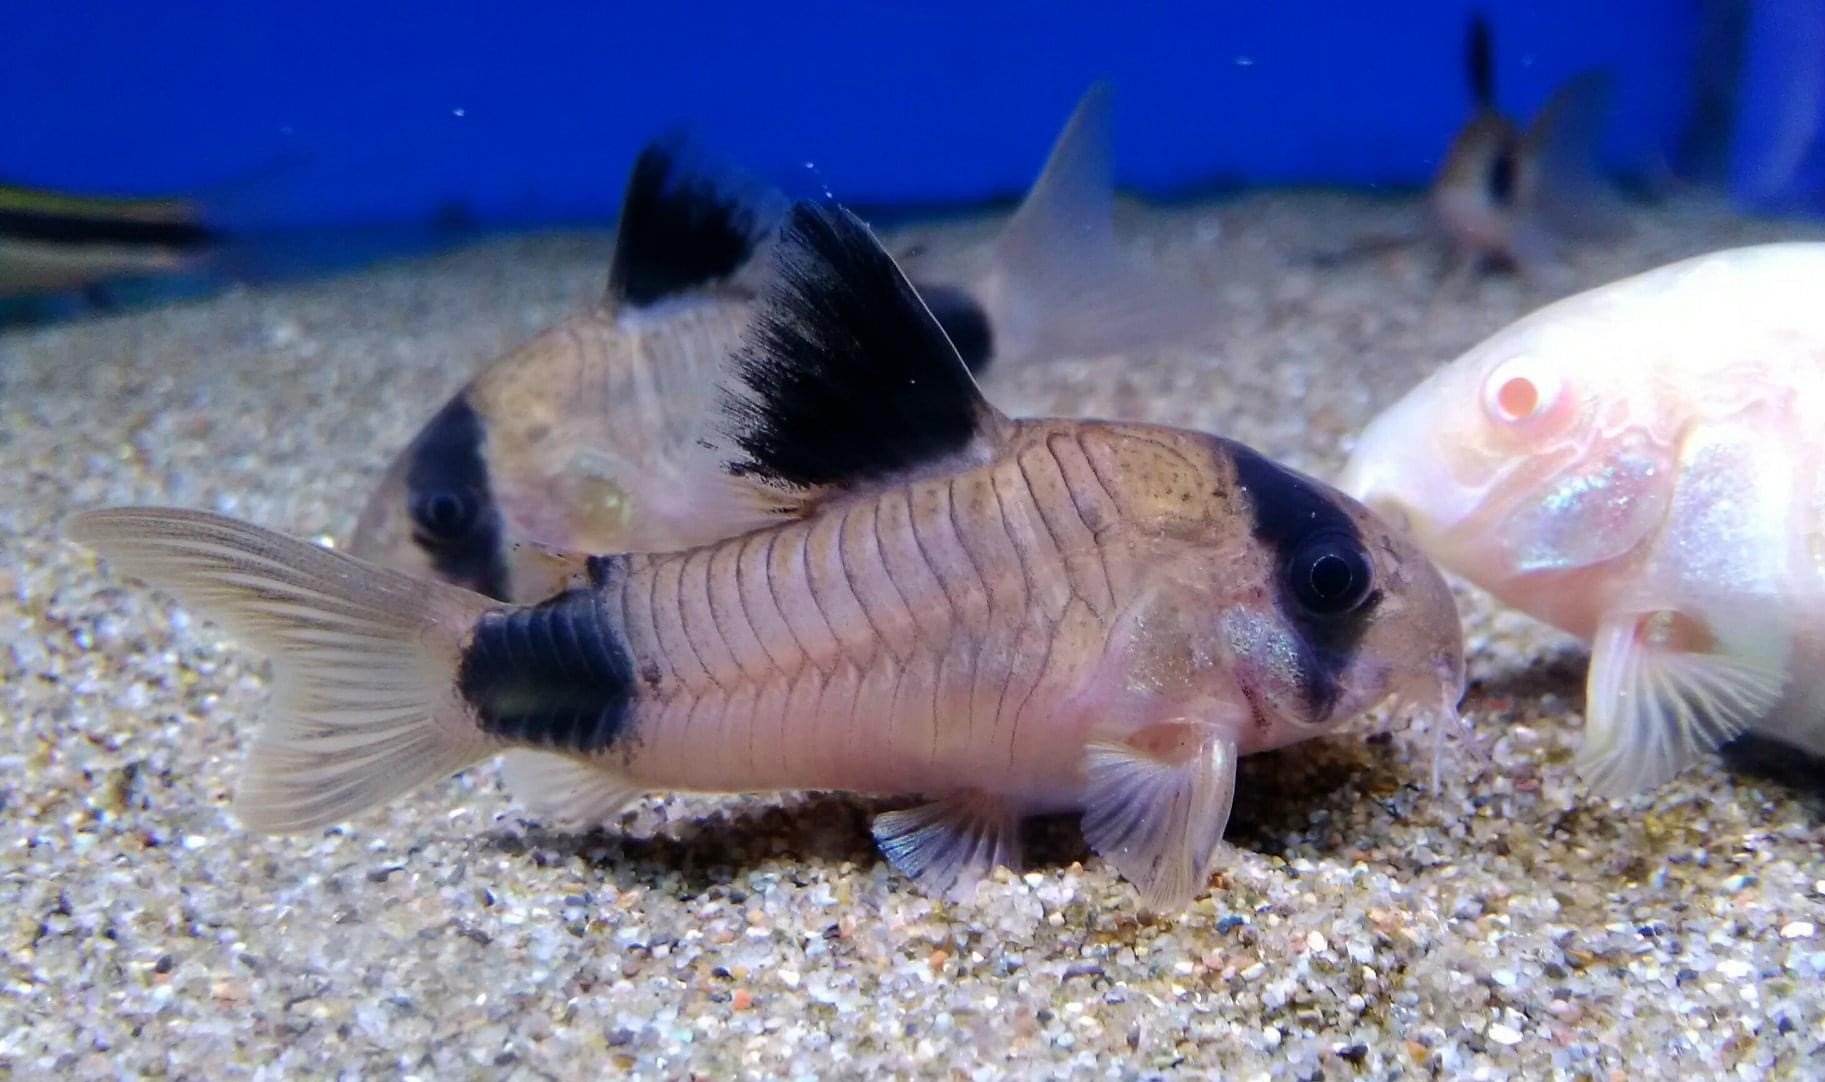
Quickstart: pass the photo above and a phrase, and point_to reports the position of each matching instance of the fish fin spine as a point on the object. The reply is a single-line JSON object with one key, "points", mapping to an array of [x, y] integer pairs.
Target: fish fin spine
{"points": [[1479, 62]]}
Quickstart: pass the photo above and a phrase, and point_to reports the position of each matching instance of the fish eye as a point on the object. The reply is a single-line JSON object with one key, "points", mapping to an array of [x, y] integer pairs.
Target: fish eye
{"points": [[1522, 390], [445, 514], [1331, 574]]}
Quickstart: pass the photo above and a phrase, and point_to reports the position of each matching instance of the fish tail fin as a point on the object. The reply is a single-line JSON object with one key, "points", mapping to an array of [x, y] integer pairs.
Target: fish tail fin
{"points": [[1059, 282], [365, 660]]}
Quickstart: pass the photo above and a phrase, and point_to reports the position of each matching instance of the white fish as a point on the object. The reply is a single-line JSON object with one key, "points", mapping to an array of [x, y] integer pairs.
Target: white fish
{"points": [[1643, 466]]}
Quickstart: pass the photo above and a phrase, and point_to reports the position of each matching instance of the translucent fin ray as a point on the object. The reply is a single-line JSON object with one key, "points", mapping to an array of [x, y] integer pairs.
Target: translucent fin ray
{"points": [[1060, 284], [1651, 709], [1159, 816], [950, 845], [364, 659], [565, 792]]}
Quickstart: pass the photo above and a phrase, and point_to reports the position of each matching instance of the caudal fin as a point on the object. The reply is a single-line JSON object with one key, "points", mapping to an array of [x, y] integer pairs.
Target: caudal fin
{"points": [[1060, 285], [364, 659]]}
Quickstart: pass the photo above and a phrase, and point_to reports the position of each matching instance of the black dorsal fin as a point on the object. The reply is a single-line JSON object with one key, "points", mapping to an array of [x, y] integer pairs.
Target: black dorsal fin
{"points": [[844, 380], [1479, 62], [685, 225]]}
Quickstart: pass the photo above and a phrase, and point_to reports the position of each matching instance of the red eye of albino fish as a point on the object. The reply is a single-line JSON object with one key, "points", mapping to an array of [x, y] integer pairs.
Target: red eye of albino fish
{"points": [[1526, 395]]}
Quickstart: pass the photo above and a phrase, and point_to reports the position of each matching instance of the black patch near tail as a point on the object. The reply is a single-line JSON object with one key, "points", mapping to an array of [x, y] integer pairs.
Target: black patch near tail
{"points": [[681, 229], [1317, 543], [454, 517], [1479, 62], [554, 675], [844, 376], [965, 322]]}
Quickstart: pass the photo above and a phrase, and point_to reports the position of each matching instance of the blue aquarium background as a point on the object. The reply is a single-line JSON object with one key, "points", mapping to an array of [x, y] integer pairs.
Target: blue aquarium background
{"points": [[351, 114]]}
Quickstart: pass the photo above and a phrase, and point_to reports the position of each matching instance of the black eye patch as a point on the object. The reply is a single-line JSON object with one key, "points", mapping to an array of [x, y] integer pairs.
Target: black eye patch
{"points": [[1326, 586], [454, 518]]}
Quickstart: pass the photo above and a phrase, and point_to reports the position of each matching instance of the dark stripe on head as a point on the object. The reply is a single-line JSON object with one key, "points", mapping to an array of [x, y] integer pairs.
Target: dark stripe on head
{"points": [[1309, 534], [454, 517], [965, 322], [82, 229], [844, 377], [682, 229], [554, 675]]}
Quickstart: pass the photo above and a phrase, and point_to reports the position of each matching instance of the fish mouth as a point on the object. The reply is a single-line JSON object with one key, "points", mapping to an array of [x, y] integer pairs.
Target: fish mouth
{"points": [[1435, 702]]}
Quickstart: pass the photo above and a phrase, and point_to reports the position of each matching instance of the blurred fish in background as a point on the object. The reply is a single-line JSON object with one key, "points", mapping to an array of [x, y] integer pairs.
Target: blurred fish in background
{"points": [[1510, 195], [62, 252], [57, 242]]}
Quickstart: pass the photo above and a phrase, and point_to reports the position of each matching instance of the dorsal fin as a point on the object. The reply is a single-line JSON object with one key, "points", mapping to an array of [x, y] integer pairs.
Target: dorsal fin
{"points": [[685, 224], [1572, 195], [1075, 192], [1479, 62], [1059, 283], [843, 380]]}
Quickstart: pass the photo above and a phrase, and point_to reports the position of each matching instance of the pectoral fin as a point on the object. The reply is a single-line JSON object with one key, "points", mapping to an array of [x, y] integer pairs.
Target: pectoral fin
{"points": [[949, 845], [1657, 697], [1156, 804]]}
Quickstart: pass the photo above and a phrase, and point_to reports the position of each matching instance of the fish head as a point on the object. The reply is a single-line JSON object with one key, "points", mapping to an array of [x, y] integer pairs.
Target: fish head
{"points": [[1486, 176], [1532, 464], [1356, 612], [384, 529], [433, 514]]}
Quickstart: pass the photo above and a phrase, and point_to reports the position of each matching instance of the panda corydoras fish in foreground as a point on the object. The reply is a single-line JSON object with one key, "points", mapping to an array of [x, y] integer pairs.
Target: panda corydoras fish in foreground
{"points": [[580, 439], [1642, 465], [915, 595]]}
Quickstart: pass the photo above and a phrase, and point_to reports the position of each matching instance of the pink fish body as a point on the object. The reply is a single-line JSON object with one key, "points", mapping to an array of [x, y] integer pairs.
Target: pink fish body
{"points": [[1643, 466], [912, 594]]}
